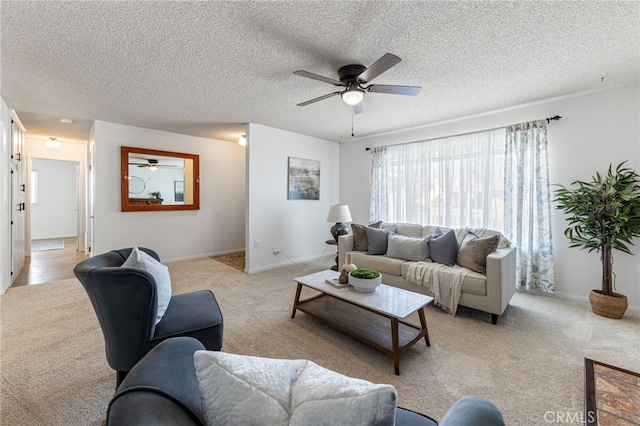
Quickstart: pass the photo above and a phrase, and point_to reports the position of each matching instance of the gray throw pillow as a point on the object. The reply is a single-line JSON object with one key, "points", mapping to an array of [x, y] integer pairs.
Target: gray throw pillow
{"points": [[408, 248], [378, 239], [474, 251], [443, 247], [360, 241]]}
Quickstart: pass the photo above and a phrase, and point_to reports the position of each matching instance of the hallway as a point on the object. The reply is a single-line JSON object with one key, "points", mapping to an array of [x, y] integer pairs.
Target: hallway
{"points": [[50, 265]]}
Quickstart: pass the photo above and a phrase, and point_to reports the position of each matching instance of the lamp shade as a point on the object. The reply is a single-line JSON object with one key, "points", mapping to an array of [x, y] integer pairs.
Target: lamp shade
{"points": [[339, 213]]}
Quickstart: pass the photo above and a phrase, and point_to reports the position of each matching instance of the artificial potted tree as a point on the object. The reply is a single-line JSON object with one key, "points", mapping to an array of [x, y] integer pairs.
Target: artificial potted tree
{"points": [[603, 214]]}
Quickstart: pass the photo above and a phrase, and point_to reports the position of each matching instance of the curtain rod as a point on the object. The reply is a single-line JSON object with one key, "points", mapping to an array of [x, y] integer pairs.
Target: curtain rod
{"points": [[549, 120]]}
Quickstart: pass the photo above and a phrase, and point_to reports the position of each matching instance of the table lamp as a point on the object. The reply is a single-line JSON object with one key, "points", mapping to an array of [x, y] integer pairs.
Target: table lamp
{"points": [[339, 213]]}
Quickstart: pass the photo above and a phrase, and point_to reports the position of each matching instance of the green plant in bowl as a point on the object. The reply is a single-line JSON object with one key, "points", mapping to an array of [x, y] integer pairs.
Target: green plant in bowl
{"points": [[365, 273], [365, 280]]}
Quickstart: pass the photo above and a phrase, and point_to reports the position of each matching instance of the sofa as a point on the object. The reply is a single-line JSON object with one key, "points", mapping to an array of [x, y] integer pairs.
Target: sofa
{"points": [[162, 389], [489, 292]]}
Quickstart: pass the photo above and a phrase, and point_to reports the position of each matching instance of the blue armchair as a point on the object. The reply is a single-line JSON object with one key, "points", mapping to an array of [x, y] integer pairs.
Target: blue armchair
{"points": [[163, 389], [125, 301]]}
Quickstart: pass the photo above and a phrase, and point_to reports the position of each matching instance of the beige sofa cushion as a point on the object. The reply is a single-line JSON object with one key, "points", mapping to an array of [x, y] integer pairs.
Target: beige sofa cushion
{"points": [[384, 264], [461, 233], [409, 230]]}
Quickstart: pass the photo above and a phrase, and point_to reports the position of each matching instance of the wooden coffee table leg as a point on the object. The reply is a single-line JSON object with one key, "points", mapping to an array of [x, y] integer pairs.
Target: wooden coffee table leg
{"points": [[423, 324], [296, 300], [394, 345]]}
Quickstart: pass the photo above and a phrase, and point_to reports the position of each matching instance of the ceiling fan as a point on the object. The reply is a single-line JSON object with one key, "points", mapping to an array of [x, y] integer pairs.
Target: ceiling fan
{"points": [[151, 164], [354, 77]]}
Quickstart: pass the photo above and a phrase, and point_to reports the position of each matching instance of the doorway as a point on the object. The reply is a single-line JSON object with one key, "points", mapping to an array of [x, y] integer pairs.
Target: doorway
{"points": [[53, 199]]}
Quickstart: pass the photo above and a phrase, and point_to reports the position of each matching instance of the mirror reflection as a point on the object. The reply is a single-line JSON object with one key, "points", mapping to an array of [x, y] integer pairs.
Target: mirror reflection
{"points": [[158, 180]]}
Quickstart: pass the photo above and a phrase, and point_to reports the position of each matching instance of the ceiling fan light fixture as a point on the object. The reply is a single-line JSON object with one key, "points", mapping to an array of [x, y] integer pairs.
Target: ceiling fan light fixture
{"points": [[353, 95], [153, 167]]}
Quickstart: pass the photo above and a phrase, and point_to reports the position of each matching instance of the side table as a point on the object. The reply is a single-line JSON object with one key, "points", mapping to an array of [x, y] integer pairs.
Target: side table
{"points": [[333, 243]]}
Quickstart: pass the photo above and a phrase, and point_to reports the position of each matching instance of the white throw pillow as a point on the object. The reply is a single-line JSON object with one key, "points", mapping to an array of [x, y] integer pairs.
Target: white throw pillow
{"points": [[140, 259], [246, 390]]}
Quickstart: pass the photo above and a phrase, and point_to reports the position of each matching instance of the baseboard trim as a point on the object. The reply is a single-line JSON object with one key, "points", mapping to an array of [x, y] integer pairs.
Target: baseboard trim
{"points": [[632, 311]]}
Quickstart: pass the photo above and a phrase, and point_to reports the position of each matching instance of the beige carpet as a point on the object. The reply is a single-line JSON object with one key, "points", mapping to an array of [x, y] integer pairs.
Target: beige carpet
{"points": [[531, 364]]}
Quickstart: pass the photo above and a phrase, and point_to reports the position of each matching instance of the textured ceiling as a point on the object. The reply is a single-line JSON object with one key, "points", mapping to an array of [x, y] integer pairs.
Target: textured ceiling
{"points": [[207, 68]]}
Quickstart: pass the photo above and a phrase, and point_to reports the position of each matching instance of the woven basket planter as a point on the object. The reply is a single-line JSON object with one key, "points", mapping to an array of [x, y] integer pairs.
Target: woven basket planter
{"points": [[613, 306]]}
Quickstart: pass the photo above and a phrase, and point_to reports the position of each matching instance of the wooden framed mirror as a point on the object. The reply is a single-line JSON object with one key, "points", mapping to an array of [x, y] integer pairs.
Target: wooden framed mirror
{"points": [[153, 180]]}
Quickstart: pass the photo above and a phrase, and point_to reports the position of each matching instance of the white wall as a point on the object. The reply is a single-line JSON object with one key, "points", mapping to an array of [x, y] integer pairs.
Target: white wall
{"points": [[596, 129], [55, 212], [218, 227], [297, 227]]}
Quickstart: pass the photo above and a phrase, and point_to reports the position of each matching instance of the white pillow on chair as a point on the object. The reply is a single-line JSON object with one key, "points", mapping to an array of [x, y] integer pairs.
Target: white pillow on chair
{"points": [[141, 260], [246, 390]]}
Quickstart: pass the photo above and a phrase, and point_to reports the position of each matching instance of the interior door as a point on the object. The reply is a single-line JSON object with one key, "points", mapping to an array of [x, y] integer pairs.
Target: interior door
{"points": [[90, 198], [18, 240]]}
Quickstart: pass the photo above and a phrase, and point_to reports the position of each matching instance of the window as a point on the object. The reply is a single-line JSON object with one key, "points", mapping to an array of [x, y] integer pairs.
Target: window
{"points": [[34, 187], [452, 182], [496, 179]]}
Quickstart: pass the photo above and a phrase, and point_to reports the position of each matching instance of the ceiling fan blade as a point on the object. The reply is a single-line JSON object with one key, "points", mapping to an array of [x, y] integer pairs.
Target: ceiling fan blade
{"points": [[319, 99], [313, 76], [387, 61], [394, 90], [359, 107]]}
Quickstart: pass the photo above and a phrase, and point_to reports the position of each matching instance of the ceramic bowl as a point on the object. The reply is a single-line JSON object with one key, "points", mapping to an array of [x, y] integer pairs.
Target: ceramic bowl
{"points": [[365, 285]]}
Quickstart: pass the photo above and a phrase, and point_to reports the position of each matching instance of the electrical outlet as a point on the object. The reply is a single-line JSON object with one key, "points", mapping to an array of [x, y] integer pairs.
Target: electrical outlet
{"points": [[275, 250]]}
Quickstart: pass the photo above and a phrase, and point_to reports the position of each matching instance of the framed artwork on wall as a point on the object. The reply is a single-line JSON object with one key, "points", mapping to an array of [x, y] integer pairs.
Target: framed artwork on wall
{"points": [[178, 190], [303, 179]]}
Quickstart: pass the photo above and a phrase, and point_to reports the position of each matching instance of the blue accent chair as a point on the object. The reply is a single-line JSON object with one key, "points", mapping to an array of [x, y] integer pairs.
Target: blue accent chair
{"points": [[125, 301]]}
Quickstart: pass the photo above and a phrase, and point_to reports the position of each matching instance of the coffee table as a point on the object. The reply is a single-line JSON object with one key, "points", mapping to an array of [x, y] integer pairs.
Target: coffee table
{"points": [[373, 318]]}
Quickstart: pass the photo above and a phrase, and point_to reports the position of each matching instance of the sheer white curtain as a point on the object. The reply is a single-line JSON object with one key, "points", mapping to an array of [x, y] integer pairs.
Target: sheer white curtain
{"points": [[497, 179], [528, 206], [452, 182], [378, 205]]}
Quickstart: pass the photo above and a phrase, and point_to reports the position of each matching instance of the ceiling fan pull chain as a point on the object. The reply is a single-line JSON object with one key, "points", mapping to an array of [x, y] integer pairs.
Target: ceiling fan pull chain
{"points": [[352, 122]]}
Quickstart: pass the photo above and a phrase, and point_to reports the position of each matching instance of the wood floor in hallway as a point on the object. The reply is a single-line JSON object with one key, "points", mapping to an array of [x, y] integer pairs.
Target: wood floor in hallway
{"points": [[50, 265]]}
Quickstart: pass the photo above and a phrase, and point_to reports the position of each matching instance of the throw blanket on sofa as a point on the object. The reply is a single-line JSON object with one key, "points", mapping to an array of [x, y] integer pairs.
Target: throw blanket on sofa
{"points": [[444, 282]]}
